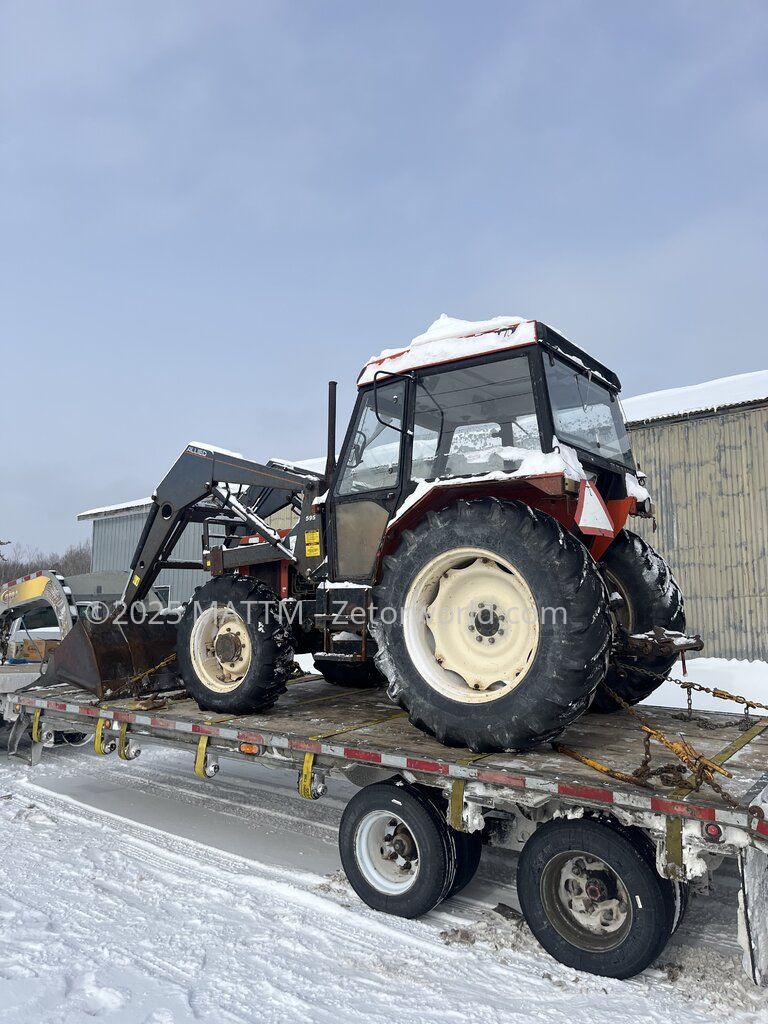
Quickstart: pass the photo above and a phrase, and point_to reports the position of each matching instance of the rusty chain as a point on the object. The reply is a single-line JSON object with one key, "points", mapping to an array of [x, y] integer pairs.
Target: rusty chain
{"points": [[701, 768]]}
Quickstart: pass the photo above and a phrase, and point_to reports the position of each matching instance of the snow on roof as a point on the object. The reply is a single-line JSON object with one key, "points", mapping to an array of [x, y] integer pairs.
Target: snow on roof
{"points": [[311, 465], [449, 338], [711, 395], [138, 505]]}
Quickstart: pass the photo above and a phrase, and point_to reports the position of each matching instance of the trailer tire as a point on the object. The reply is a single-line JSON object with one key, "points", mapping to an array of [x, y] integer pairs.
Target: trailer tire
{"points": [[652, 597], [469, 845], [535, 565], [383, 825], [676, 894], [566, 871], [263, 648], [362, 675], [469, 850]]}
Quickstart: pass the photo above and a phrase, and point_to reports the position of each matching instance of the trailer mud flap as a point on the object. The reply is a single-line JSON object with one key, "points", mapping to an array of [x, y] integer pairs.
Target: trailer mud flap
{"points": [[753, 913]]}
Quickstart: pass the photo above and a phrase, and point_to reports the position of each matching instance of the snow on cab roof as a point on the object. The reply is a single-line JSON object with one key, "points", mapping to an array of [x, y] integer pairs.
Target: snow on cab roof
{"points": [[723, 393], [449, 338]]}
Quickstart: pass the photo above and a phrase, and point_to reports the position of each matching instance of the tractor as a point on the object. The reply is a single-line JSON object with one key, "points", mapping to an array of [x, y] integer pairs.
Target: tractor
{"points": [[468, 551]]}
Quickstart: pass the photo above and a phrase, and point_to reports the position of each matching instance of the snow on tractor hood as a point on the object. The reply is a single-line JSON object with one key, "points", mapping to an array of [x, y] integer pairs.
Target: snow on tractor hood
{"points": [[449, 338]]}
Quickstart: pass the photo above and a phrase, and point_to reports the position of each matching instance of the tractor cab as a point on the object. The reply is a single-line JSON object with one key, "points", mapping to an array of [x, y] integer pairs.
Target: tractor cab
{"points": [[512, 409]]}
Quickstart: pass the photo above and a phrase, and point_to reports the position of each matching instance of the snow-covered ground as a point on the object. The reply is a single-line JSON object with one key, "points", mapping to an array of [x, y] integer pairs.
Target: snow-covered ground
{"points": [[136, 893]]}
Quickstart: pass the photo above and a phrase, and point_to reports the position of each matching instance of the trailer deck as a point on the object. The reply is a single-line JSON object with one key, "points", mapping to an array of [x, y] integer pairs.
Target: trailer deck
{"points": [[341, 729]]}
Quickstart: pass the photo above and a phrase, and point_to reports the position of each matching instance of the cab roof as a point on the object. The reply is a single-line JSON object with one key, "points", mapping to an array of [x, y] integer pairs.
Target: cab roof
{"points": [[449, 339]]}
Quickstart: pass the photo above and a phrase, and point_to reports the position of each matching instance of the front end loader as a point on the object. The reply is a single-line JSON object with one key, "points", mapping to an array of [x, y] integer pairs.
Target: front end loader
{"points": [[470, 551]]}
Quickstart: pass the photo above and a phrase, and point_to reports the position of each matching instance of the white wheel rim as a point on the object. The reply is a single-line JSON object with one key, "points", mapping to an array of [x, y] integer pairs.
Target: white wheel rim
{"points": [[220, 648], [471, 625], [387, 853]]}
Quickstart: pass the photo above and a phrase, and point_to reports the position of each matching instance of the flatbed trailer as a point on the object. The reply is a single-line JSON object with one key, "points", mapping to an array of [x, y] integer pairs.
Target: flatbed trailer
{"points": [[321, 731]]}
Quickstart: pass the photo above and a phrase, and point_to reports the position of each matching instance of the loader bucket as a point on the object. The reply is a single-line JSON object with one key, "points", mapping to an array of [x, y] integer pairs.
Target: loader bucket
{"points": [[109, 659]]}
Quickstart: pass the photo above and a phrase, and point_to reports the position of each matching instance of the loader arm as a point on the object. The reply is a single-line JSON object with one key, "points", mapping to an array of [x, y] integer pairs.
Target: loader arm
{"points": [[200, 473]]}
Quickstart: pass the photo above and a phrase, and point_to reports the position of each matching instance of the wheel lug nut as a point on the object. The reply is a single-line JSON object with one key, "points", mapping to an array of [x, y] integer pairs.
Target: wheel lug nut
{"points": [[491, 640], [479, 639], [501, 632], [471, 629]]}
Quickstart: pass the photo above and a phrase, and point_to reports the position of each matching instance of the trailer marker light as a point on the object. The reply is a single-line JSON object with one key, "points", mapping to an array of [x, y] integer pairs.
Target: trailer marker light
{"points": [[713, 832], [250, 748]]}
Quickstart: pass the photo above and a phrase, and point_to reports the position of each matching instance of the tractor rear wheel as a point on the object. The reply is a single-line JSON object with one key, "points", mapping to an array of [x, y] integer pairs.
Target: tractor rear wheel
{"points": [[233, 653], [650, 597], [492, 625]]}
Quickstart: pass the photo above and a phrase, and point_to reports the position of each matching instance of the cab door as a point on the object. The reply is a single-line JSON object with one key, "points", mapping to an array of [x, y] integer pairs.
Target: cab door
{"points": [[368, 482]]}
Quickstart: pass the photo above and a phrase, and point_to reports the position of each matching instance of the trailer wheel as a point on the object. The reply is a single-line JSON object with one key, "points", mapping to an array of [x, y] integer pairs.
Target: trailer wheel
{"points": [[652, 597], [233, 653], [592, 899], [676, 894], [503, 628], [359, 675], [396, 852]]}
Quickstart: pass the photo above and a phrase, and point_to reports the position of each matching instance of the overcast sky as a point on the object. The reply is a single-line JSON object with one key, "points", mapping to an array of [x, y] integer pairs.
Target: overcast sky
{"points": [[208, 209]]}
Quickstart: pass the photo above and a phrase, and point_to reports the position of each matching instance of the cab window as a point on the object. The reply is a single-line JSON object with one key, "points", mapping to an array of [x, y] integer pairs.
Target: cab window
{"points": [[371, 458]]}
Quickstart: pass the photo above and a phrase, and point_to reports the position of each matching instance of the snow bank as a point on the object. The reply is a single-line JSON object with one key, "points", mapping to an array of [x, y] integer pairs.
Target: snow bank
{"points": [[713, 394], [748, 678], [450, 338]]}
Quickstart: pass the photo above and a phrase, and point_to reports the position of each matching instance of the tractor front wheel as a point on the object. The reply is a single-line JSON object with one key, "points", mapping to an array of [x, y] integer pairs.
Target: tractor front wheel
{"points": [[233, 653]]}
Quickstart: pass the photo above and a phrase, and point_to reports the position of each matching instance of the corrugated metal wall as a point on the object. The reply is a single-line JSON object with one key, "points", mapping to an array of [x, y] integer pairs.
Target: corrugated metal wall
{"points": [[115, 538], [709, 478]]}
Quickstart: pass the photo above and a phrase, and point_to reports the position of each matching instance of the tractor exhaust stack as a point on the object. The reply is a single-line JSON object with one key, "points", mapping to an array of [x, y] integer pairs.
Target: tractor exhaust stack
{"points": [[330, 462]]}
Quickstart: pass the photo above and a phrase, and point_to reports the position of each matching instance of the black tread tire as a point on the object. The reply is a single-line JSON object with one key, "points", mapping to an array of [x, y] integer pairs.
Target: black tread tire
{"points": [[571, 659], [652, 921], [360, 675], [469, 845], [437, 851], [272, 660], [469, 850], [656, 600]]}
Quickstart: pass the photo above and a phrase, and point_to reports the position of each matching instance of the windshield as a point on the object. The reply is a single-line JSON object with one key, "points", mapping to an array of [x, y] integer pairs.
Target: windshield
{"points": [[474, 420], [586, 413]]}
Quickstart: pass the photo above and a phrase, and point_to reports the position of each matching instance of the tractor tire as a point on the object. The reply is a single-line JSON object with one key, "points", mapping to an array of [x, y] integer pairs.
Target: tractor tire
{"points": [[528, 628], [652, 597], [362, 675], [233, 653]]}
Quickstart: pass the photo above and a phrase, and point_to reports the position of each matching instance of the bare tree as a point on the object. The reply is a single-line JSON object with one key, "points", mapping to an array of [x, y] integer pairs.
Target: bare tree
{"points": [[21, 561]]}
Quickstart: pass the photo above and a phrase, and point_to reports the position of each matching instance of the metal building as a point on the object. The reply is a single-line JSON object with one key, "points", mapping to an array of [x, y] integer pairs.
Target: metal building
{"points": [[115, 534], [705, 452]]}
